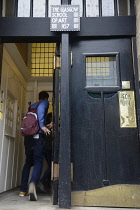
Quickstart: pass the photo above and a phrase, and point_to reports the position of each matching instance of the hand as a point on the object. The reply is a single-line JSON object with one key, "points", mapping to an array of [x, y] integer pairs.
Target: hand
{"points": [[46, 130], [50, 125]]}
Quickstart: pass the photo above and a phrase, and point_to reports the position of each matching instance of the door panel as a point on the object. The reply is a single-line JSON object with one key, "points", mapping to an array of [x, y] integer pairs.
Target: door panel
{"points": [[55, 156], [103, 153]]}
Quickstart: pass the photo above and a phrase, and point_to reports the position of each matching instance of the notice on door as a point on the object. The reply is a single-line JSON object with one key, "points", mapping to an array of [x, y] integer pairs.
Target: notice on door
{"points": [[127, 109], [65, 18]]}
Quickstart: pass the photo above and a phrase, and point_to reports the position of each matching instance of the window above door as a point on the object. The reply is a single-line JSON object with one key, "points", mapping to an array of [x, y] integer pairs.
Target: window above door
{"points": [[42, 59]]}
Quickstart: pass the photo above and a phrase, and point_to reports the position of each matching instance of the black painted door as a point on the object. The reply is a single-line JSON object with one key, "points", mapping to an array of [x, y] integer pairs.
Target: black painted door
{"points": [[103, 153], [55, 150]]}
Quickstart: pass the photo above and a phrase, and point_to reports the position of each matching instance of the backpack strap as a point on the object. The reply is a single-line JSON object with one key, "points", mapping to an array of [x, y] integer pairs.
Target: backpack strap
{"points": [[35, 106]]}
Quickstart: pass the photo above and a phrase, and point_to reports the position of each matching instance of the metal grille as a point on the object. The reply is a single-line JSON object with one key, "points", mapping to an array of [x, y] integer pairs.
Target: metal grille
{"points": [[43, 59]]}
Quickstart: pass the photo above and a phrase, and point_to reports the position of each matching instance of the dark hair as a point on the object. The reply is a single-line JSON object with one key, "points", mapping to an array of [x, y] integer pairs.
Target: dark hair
{"points": [[43, 95]]}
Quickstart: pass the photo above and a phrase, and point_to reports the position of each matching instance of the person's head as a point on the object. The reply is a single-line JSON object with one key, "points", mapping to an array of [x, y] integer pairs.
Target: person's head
{"points": [[43, 95]]}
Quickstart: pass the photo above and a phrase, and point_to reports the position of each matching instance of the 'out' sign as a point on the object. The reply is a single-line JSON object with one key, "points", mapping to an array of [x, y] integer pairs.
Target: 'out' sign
{"points": [[65, 18]]}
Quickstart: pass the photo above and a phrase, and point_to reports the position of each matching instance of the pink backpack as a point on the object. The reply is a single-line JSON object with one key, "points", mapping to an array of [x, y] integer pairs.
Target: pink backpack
{"points": [[30, 124]]}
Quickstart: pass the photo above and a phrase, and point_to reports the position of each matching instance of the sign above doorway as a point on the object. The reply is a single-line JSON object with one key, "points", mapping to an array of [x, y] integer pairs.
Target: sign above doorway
{"points": [[65, 18]]}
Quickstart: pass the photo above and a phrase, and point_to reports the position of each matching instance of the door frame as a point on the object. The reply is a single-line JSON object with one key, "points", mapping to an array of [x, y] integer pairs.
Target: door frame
{"points": [[28, 30]]}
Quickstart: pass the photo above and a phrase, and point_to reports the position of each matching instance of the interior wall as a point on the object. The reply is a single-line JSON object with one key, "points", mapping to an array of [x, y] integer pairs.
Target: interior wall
{"points": [[34, 87], [23, 49], [13, 96]]}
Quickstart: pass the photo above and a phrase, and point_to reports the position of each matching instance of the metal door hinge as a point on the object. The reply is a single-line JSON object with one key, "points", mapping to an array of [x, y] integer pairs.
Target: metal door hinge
{"points": [[71, 172], [71, 57], [56, 62], [55, 171]]}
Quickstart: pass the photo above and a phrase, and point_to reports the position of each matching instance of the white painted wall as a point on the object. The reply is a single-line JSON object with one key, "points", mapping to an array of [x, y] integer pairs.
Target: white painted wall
{"points": [[13, 86]]}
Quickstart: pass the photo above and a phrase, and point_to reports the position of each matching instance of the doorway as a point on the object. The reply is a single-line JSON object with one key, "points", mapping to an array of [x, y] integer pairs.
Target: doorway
{"points": [[27, 69]]}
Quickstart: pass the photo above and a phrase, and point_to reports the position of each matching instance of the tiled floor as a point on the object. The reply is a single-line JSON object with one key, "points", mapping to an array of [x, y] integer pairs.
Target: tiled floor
{"points": [[11, 201]]}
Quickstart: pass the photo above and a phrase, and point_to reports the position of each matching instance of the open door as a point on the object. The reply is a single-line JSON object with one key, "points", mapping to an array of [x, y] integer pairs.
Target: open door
{"points": [[55, 158], [105, 146]]}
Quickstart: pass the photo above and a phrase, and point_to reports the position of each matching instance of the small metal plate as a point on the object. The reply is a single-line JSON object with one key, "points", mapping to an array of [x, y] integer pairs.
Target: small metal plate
{"points": [[127, 109], [125, 84]]}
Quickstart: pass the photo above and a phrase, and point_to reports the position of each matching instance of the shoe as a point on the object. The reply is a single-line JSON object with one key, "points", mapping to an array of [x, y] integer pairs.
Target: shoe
{"points": [[22, 194], [42, 187], [32, 192]]}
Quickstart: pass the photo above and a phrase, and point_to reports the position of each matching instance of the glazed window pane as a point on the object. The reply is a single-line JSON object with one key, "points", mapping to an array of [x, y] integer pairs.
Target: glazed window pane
{"points": [[39, 8], [101, 71], [107, 7], [92, 8], [23, 8]]}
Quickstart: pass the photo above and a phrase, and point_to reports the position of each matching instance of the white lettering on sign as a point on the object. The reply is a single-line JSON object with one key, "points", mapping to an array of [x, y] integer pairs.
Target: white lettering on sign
{"points": [[55, 9], [69, 9], [65, 26], [54, 20], [59, 15], [62, 20], [59, 20]]}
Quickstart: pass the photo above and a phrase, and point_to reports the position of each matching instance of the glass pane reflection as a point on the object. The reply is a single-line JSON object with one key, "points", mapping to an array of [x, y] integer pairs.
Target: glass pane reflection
{"points": [[23, 8], [39, 8], [92, 8], [107, 7]]}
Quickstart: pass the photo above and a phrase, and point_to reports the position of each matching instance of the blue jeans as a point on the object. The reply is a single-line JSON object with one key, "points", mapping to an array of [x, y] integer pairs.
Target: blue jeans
{"points": [[47, 174], [34, 151]]}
